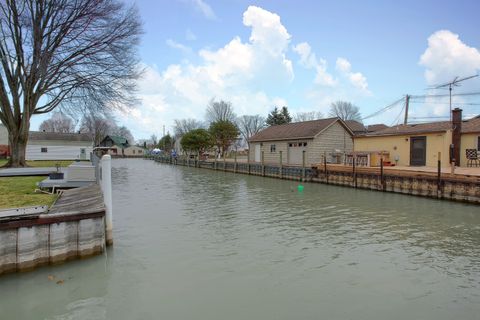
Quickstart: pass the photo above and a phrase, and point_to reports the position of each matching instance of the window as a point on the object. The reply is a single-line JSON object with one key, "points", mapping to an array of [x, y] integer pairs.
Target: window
{"points": [[43, 150], [133, 151], [272, 148], [478, 143], [139, 151]]}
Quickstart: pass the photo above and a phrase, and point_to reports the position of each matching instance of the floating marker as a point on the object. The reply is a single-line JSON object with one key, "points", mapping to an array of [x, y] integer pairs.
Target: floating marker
{"points": [[300, 188]]}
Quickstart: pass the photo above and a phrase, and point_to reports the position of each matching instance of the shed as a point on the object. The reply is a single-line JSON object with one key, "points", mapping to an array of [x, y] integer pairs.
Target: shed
{"points": [[317, 138]]}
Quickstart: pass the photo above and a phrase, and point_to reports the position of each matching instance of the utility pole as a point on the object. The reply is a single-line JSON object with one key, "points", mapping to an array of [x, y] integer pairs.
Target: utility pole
{"points": [[407, 101]]}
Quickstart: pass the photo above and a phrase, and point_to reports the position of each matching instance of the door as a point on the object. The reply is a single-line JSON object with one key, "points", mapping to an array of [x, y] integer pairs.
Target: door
{"points": [[83, 154], [418, 151], [295, 152], [257, 152]]}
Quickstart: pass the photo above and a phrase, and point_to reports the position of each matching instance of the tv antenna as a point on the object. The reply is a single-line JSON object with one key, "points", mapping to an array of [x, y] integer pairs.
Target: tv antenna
{"points": [[454, 83]]}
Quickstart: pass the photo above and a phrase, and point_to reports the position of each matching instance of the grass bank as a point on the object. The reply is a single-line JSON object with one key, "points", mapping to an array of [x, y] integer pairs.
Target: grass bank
{"points": [[42, 163], [19, 192]]}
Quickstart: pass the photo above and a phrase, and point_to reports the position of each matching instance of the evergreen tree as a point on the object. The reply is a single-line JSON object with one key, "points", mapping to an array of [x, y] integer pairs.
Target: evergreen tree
{"points": [[277, 117]]}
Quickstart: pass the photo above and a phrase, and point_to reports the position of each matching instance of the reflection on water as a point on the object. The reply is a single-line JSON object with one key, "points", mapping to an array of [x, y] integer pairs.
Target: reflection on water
{"points": [[193, 243]]}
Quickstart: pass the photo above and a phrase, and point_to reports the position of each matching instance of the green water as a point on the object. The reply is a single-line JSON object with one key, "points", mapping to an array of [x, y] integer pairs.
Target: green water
{"points": [[198, 244]]}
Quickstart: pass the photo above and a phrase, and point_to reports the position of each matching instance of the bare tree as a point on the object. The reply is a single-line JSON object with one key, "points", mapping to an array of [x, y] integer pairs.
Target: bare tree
{"points": [[183, 126], [345, 111], [58, 122], [307, 116], [220, 111], [154, 139], [123, 132], [70, 53], [250, 125], [97, 126]]}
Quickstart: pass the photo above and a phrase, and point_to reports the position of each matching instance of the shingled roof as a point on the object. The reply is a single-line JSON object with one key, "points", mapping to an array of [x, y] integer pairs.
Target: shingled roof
{"points": [[468, 126], [355, 126], [40, 135], [376, 127], [296, 130]]}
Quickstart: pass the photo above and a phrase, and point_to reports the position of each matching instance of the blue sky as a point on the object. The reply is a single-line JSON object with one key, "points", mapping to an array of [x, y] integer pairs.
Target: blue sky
{"points": [[303, 54]]}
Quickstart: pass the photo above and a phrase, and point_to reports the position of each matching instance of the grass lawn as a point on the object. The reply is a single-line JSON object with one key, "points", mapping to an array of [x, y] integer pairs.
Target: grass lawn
{"points": [[19, 192], [43, 163]]}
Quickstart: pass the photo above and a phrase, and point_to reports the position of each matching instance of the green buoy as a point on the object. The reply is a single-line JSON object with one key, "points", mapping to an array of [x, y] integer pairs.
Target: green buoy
{"points": [[300, 188]]}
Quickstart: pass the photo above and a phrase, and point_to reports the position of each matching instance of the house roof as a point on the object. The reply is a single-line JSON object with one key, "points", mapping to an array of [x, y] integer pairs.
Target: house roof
{"points": [[296, 130], [40, 135], [376, 127], [468, 126], [471, 126], [118, 140], [355, 126]]}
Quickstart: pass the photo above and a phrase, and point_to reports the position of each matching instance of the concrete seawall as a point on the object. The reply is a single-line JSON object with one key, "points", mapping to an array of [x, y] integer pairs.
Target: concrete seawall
{"points": [[73, 228], [448, 187]]}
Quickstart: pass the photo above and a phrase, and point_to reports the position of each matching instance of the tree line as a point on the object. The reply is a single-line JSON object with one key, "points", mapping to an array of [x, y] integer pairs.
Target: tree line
{"points": [[97, 125], [223, 129]]}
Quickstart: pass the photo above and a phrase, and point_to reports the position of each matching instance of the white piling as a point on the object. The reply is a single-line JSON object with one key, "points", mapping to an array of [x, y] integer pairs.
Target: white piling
{"points": [[106, 185]]}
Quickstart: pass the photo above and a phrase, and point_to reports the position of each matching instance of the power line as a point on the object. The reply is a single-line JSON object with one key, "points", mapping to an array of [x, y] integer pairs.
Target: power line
{"points": [[376, 113], [445, 95], [459, 103]]}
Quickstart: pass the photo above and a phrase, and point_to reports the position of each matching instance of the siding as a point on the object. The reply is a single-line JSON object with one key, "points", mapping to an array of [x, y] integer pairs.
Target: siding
{"points": [[333, 138], [56, 152], [399, 147], [3, 135], [270, 157], [469, 141]]}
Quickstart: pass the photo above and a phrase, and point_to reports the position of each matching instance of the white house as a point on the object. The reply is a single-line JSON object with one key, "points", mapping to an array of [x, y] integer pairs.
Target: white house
{"points": [[58, 146]]}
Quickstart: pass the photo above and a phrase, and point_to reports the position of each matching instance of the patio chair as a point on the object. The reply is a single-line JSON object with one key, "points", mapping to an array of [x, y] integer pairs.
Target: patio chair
{"points": [[472, 157]]}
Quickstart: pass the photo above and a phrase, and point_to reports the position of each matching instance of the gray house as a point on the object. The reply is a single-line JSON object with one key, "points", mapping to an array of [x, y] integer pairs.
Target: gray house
{"points": [[331, 137]]}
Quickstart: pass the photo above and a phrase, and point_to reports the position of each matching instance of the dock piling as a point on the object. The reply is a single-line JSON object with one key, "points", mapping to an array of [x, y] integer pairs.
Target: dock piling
{"points": [[106, 185]]}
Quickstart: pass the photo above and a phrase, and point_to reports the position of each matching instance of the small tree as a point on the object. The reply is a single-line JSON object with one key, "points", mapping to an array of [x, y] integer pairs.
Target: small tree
{"points": [[345, 111], [223, 133], [277, 117], [197, 140], [166, 143]]}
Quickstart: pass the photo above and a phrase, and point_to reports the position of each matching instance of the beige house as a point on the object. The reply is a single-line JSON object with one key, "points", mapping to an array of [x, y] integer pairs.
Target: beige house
{"points": [[424, 144], [133, 151], [307, 141]]}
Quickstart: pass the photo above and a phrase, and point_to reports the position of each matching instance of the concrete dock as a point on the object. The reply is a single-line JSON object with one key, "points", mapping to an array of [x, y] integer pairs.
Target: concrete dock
{"points": [[74, 227]]}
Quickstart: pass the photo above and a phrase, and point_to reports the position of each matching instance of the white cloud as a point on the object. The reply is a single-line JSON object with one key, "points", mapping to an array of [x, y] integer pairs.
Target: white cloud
{"points": [[309, 60], [242, 72], [176, 45], [357, 79], [205, 9], [447, 57]]}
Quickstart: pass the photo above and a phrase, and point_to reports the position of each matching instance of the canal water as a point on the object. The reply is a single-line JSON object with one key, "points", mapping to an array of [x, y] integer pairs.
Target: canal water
{"points": [[199, 244]]}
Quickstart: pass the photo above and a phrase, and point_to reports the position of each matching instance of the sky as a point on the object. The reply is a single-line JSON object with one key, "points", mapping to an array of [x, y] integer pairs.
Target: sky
{"points": [[301, 54]]}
